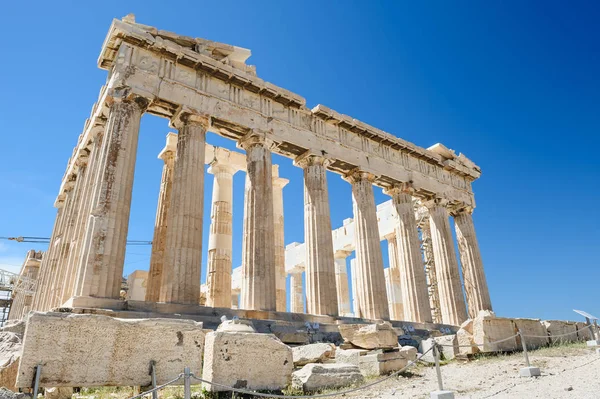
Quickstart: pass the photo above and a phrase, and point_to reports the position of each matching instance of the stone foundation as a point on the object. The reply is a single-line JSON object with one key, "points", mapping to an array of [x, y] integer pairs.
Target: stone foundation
{"points": [[95, 350]]}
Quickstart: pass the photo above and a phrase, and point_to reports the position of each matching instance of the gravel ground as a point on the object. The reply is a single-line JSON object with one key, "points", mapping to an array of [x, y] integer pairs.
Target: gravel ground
{"points": [[567, 372]]}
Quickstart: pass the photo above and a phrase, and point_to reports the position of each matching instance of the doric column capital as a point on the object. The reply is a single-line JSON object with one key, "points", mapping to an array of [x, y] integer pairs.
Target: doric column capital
{"points": [[126, 95], [400, 188], [253, 138], [309, 159], [390, 237], [435, 202], [170, 147], [216, 167], [356, 175], [462, 210], [186, 115], [280, 182], [341, 254]]}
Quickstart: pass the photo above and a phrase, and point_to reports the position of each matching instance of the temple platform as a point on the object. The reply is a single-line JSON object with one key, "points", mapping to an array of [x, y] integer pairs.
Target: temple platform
{"points": [[293, 328]]}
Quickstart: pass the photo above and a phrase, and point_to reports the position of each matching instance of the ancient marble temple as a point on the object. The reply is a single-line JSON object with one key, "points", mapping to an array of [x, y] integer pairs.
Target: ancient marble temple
{"points": [[203, 86]]}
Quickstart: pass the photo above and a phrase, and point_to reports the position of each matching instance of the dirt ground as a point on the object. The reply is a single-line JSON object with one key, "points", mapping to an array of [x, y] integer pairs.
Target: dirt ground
{"points": [[567, 372]]}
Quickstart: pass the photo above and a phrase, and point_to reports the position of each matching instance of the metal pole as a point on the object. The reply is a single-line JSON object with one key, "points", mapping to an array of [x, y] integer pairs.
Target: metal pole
{"points": [[436, 357], [524, 349], [36, 383], [153, 375], [187, 389]]}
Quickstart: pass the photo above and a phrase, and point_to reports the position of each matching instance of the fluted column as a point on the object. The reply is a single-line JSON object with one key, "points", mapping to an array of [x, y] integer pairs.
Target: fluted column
{"points": [[218, 278], [279, 241], [392, 276], [84, 208], [159, 240], [63, 267], [452, 301], [258, 253], [296, 295], [356, 292], [235, 301], [320, 265], [103, 252], [183, 251], [341, 283], [369, 260], [411, 270], [476, 288]]}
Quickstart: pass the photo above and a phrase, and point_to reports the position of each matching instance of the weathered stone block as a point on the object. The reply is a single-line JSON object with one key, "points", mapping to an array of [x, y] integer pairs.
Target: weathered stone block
{"points": [[313, 353], [409, 353], [463, 340], [93, 350], [58, 393], [369, 365], [556, 329], [584, 332], [371, 362], [449, 346], [488, 329], [247, 360], [533, 327], [313, 377], [369, 336], [11, 347]]}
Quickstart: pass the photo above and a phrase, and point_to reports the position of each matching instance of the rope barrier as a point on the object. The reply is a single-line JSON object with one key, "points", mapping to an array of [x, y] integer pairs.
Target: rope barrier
{"points": [[158, 387], [339, 393], [325, 395], [511, 337]]}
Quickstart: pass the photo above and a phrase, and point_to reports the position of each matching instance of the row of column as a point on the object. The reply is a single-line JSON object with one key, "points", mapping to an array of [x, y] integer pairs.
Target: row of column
{"points": [[88, 242], [401, 292]]}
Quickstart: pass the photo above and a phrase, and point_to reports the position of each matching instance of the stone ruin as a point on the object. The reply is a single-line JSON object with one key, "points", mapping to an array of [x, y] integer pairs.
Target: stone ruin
{"points": [[98, 338]]}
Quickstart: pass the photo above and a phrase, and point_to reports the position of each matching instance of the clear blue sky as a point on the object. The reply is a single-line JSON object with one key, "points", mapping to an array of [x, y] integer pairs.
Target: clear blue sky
{"points": [[513, 85]]}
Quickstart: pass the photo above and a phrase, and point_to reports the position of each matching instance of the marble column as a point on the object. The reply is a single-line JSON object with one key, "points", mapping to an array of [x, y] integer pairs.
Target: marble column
{"points": [[452, 301], [320, 265], [369, 259], [63, 272], [258, 252], [84, 208], [101, 261], [279, 241], [341, 283], [296, 295], [356, 303], [183, 250], [413, 282], [476, 288], [235, 301], [392, 275], [159, 240], [220, 247]]}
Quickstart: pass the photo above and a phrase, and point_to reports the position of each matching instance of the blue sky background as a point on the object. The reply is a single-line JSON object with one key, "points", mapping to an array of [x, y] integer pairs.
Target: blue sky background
{"points": [[513, 85]]}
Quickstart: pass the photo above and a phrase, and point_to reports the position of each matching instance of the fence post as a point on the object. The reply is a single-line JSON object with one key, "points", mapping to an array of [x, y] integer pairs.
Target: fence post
{"points": [[153, 376], [440, 393], [527, 371], [36, 381], [187, 389]]}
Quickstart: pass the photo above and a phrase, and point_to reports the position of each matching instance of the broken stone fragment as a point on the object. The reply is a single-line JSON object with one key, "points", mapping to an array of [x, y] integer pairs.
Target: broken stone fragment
{"points": [[313, 353], [369, 336], [313, 377], [246, 360], [241, 326]]}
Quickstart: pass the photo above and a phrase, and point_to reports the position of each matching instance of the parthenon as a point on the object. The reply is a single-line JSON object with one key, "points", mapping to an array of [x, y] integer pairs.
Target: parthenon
{"points": [[203, 86]]}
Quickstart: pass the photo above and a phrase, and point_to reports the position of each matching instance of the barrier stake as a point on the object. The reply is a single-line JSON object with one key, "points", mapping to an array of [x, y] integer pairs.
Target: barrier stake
{"points": [[440, 393], [36, 383], [153, 375], [187, 389], [527, 371]]}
